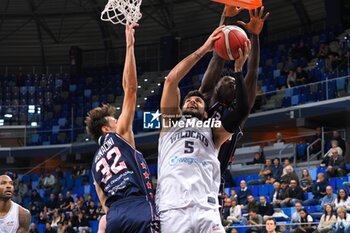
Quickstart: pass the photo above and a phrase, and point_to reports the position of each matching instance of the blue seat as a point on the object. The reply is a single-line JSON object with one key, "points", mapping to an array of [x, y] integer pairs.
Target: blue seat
{"points": [[340, 181], [295, 100], [301, 150], [333, 182], [94, 225], [341, 84]]}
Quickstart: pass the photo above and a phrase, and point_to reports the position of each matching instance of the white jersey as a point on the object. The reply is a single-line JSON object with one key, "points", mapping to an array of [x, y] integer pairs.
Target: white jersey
{"points": [[10, 222], [188, 168]]}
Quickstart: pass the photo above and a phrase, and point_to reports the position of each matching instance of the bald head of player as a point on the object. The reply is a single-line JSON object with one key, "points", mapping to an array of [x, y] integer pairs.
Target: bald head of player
{"points": [[225, 90], [194, 105], [100, 121], [6, 188]]}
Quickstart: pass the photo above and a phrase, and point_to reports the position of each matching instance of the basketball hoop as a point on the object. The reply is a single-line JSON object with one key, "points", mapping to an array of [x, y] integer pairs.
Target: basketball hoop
{"points": [[246, 4], [122, 11]]}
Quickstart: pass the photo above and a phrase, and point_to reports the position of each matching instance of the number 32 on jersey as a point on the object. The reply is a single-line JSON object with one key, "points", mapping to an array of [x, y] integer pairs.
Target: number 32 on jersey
{"points": [[106, 170]]}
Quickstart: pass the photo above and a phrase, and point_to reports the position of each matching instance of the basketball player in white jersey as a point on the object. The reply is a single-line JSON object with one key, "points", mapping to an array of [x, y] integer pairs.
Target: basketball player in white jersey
{"points": [[13, 217], [188, 167]]}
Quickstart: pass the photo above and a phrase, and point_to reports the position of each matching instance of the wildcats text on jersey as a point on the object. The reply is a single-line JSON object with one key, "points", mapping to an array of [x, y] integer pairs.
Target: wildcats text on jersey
{"points": [[189, 134]]}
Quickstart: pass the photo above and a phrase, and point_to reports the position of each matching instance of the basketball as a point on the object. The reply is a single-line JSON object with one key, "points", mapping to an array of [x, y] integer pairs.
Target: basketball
{"points": [[231, 39]]}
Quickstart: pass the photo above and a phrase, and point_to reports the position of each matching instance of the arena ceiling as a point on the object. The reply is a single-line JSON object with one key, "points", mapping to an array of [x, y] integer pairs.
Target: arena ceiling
{"points": [[42, 31]]}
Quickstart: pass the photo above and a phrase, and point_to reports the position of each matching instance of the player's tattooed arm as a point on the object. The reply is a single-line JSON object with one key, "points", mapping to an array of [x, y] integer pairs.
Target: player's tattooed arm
{"points": [[213, 73], [170, 104], [254, 27], [126, 117], [24, 220]]}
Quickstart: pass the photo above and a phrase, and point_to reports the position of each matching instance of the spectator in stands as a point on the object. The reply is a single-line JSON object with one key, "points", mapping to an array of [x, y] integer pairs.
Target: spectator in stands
{"points": [[233, 230], [92, 211], [23, 190], [265, 174], [252, 205], [336, 165], [289, 65], [342, 200], [327, 220], [63, 217], [276, 169], [271, 225], [295, 218], [323, 50], [255, 222], [306, 181], [55, 219], [277, 194], [49, 229], [330, 197], [82, 223], [89, 198], [341, 142], [235, 212], [60, 228], [243, 193], [279, 138], [258, 159], [304, 51], [61, 201], [315, 148], [306, 223], [16, 197], [52, 203], [33, 228], [318, 190], [290, 175], [291, 78], [265, 209], [36, 199], [227, 206], [346, 186], [342, 224], [233, 193], [44, 216], [49, 181], [327, 157], [286, 163], [293, 194], [68, 200], [301, 76]]}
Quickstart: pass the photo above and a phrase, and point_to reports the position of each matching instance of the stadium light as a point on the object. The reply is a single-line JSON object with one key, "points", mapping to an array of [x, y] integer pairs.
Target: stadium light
{"points": [[138, 105], [2, 122], [34, 124], [145, 98], [8, 115], [139, 87], [159, 84], [152, 91], [145, 80], [31, 108]]}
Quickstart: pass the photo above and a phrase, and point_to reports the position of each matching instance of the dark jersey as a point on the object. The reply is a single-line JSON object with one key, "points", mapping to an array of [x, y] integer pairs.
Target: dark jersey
{"points": [[227, 149], [120, 170]]}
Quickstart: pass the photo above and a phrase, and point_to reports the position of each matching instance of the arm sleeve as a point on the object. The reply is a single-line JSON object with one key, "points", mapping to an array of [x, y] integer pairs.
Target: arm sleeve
{"points": [[233, 118]]}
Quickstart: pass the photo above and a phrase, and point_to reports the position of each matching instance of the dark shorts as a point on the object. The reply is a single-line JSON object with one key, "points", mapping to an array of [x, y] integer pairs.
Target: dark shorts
{"points": [[132, 215]]}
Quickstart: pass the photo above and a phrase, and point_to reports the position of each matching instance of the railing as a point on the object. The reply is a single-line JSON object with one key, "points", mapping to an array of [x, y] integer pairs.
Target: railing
{"points": [[285, 148], [309, 148]]}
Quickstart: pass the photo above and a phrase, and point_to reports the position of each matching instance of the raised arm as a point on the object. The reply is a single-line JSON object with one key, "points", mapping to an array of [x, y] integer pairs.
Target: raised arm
{"points": [[124, 127], [216, 64], [170, 102], [254, 27], [234, 117], [24, 220]]}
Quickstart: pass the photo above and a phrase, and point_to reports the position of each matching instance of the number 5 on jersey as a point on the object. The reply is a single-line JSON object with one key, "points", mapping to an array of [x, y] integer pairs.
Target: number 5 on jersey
{"points": [[108, 171]]}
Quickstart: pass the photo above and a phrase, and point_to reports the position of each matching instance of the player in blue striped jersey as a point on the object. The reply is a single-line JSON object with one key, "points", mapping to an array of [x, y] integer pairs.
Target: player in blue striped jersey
{"points": [[220, 91], [121, 175]]}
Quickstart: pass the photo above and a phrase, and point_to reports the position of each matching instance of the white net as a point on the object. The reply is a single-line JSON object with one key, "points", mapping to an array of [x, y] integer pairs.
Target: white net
{"points": [[122, 11]]}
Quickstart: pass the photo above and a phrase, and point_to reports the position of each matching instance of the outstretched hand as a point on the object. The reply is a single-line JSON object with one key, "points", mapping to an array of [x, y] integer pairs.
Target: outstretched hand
{"points": [[230, 11], [209, 44], [129, 34], [256, 22], [243, 56]]}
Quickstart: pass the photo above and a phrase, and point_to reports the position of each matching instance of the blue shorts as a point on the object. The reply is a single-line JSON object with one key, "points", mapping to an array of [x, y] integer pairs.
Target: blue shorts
{"points": [[132, 215]]}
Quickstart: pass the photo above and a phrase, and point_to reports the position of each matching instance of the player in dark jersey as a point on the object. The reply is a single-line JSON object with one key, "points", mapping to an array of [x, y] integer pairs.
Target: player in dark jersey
{"points": [[219, 91], [121, 175]]}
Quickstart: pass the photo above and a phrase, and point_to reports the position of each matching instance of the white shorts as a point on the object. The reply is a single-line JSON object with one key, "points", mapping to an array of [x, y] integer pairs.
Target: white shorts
{"points": [[191, 219]]}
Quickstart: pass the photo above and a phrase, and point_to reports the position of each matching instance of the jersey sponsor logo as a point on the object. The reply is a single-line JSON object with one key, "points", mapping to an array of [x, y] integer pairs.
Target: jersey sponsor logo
{"points": [[216, 228], [175, 160], [151, 120]]}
